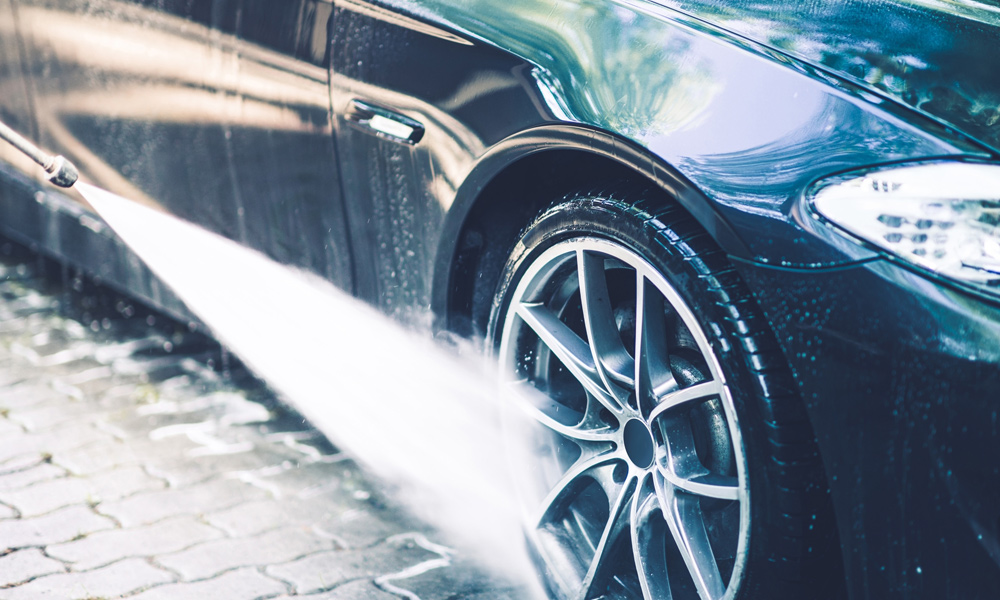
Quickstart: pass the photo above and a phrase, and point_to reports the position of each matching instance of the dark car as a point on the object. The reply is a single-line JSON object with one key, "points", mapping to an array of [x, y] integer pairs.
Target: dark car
{"points": [[748, 251]]}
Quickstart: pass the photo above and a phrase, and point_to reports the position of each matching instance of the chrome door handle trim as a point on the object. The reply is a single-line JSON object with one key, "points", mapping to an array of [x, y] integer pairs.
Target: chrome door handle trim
{"points": [[384, 123]]}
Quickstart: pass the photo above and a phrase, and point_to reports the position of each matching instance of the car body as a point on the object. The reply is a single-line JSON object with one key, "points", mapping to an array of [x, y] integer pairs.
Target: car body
{"points": [[399, 147]]}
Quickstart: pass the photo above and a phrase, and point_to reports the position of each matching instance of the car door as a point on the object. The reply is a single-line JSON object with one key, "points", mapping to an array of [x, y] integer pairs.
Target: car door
{"points": [[214, 110]]}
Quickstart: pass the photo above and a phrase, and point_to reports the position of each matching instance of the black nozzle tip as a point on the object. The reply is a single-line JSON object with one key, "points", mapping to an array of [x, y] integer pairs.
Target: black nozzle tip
{"points": [[62, 172]]}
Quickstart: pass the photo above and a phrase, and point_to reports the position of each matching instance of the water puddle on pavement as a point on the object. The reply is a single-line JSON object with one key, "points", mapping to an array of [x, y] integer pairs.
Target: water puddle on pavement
{"points": [[422, 419]]}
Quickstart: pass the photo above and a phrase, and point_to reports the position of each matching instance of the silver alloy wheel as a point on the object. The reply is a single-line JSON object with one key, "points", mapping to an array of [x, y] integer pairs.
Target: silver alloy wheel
{"points": [[641, 488]]}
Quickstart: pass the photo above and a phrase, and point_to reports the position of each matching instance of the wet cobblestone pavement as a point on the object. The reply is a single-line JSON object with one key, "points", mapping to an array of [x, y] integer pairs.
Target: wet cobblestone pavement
{"points": [[136, 461]]}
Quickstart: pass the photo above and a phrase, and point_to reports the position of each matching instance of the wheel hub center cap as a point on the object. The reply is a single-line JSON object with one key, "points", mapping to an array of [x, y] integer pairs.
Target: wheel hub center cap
{"points": [[638, 443]]}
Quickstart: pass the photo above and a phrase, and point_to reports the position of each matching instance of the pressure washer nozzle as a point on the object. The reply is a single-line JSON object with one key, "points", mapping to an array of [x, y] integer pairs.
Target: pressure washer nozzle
{"points": [[61, 171]]}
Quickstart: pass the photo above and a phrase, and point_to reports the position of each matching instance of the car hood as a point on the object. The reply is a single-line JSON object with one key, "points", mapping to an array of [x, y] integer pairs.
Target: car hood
{"points": [[940, 57]]}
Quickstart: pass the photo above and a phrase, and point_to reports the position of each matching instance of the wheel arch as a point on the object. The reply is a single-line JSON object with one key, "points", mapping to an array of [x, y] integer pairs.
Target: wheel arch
{"points": [[537, 167]]}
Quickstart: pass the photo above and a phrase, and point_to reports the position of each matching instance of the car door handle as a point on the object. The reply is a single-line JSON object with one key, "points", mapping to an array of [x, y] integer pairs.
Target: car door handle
{"points": [[384, 122]]}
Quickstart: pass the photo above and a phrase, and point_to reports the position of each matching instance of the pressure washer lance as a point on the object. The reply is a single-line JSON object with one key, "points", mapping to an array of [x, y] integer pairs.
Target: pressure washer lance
{"points": [[61, 171]]}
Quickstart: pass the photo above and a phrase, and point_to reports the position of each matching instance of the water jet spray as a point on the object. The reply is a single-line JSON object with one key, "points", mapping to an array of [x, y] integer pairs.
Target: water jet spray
{"points": [[420, 418]]}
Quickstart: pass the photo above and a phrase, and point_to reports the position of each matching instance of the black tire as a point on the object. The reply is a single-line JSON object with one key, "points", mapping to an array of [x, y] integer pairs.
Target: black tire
{"points": [[790, 549]]}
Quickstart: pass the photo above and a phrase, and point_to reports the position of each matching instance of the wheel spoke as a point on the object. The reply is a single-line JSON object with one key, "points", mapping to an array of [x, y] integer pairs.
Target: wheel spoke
{"points": [[589, 428], [614, 365], [647, 528], [709, 485], [566, 345], [678, 460], [653, 377], [687, 526], [618, 523], [563, 491], [668, 399]]}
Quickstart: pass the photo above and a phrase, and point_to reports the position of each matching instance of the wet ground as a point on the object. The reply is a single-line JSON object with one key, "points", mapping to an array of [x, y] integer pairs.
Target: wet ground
{"points": [[138, 460]]}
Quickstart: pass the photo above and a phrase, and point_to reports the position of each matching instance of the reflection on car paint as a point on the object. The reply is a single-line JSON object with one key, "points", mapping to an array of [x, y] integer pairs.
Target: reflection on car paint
{"points": [[134, 95]]}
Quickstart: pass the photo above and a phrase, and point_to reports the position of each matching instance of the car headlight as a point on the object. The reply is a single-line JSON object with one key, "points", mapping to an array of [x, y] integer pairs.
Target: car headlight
{"points": [[944, 217]]}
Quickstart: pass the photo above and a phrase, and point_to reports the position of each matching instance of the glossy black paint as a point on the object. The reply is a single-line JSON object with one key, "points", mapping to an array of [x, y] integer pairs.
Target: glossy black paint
{"points": [[241, 115], [901, 378], [938, 58], [750, 171], [184, 106]]}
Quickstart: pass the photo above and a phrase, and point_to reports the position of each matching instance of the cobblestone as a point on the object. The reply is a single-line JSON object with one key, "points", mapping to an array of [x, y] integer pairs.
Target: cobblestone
{"points": [[185, 471], [46, 496], [326, 570], [60, 526], [20, 463], [40, 471], [9, 428], [110, 452], [115, 580], [359, 589], [48, 416], [98, 549], [137, 460], [351, 522], [251, 518], [360, 527], [26, 394], [42, 445], [150, 507], [24, 565], [242, 584], [277, 546]]}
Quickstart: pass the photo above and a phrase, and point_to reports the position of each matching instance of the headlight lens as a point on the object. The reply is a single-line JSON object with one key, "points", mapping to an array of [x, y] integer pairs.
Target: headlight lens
{"points": [[944, 217]]}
